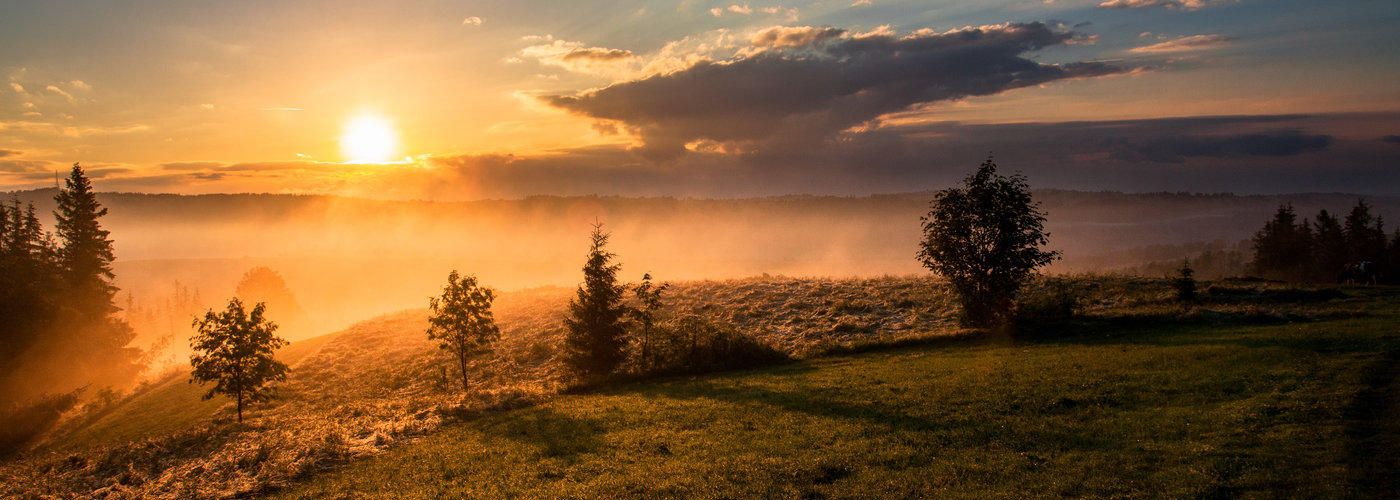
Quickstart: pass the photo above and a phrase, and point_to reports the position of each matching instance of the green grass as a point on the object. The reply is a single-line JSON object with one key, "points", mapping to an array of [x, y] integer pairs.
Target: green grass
{"points": [[1175, 410], [167, 406]]}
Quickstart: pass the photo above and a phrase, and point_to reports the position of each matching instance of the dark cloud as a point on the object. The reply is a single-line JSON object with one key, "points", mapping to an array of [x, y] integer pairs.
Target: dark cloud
{"points": [[796, 90], [1175, 149], [5, 153], [596, 54], [1393, 139], [21, 166]]}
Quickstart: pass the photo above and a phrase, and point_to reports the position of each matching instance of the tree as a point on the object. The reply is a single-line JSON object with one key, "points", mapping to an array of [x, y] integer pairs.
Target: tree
{"points": [[985, 238], [648, 297], [1185, 283], [262, 284], [461, 320], [1365, 235], [1281, 247], [86, 256], [1329, 249], [596, 324], [234, 350]]}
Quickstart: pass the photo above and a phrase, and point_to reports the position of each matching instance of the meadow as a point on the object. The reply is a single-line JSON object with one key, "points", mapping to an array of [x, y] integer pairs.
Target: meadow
{"points": [[1261, 388]]}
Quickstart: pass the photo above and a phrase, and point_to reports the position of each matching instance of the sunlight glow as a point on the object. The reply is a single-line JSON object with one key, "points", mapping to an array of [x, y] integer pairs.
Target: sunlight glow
{"points": [[368, 139]]}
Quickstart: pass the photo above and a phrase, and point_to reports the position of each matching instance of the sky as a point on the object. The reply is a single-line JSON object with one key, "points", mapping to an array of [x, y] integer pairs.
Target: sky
{"points": [[458, 100]]}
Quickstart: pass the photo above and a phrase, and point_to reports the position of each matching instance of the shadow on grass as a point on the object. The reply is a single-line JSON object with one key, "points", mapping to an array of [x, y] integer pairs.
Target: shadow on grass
{"points": [[553, 433], [1372, 430]]}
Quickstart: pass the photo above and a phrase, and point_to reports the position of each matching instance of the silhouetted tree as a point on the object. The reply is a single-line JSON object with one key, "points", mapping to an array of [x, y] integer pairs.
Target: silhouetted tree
{"points": [[985, 238], [234, 350], [1185, 283], [1329, 249], [262, 284], [461, 320], [648, 297], [86, 255], [596, 324], [1365, 235], [1281, 247]]}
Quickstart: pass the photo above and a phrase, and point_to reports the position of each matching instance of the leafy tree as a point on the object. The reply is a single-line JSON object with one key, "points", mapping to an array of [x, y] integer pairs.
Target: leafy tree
{"points": [[596, 324], [1185, 283], [985, 238], [86, 255], [648, 297], [262, 284], [234, 350], [461, 320]]}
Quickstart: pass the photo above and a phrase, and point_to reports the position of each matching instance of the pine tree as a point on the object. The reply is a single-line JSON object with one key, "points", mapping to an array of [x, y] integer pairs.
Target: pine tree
{"points": [[461, 320], [1185, 283], [597, 330], [1281, 247], [234, 350], [86, 255], [1329, 254], [1365, 235]]}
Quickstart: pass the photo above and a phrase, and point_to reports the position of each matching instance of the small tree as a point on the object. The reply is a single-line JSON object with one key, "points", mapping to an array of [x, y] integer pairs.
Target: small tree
{"points": [[1185, 283], [596, 324], [461, 320], [648, 297], [985, 238], [233, 349]]}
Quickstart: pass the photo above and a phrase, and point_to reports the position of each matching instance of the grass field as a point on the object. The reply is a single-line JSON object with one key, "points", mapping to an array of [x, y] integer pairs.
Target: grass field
{"points": [[1262, 388], [1179, 410]]}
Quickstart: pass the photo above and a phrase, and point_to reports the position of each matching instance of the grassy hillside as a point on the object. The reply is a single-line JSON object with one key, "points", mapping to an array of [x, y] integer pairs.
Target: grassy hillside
{"points": [[1259, 378], [1209, 405], [365, 389]]}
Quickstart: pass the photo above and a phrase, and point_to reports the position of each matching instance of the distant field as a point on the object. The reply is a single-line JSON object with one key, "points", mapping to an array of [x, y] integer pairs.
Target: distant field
{"points": [[1191, 410]]}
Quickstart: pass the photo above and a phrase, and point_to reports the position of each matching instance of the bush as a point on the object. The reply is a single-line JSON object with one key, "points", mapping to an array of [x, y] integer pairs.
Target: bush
{"points": [[1046, 309], [694, 344]]}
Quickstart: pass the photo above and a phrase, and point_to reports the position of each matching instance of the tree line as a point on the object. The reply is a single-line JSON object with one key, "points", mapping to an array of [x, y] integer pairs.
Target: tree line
{"points": [[1326, 248], [58, 323]]}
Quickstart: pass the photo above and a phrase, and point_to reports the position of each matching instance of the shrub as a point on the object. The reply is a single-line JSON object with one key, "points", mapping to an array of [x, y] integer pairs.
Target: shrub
{"points": [[694, 344], [1046, 309]]}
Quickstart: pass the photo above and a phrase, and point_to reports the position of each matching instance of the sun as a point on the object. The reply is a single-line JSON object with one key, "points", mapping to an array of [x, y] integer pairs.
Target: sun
{"points": [[368, 139]]}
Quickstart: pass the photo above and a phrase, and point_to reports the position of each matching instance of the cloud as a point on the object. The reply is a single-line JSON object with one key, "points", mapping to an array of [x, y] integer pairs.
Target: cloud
{"points": [[596, 54], [1185, 44], [5, 153], [80, 85], [803, 91], [577, 57], [1392, 139], [23, 166], [19, 89], [1170, 4], [860, 3], [61, 92], [472, 21], [797, 36]]}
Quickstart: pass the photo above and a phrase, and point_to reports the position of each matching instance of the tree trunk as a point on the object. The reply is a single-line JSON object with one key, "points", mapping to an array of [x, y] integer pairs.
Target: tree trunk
{"points": [[462, 363], [240, 407]]}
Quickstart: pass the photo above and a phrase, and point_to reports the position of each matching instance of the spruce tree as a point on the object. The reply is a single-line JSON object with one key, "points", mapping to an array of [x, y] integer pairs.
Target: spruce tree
{"points": [[86, 256], [597, 330]]}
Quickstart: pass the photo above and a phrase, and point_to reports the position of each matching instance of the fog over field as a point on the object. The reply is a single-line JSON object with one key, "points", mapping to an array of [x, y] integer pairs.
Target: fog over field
{"points": [[348, 259]]}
